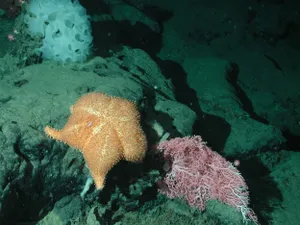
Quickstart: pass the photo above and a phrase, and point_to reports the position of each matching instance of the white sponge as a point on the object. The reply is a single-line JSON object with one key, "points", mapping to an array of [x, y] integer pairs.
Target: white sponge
{"points": [[64, 27]]}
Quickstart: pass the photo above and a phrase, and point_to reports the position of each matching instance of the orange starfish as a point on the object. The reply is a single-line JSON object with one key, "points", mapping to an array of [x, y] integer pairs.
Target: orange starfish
{"points": [[105, 129]]}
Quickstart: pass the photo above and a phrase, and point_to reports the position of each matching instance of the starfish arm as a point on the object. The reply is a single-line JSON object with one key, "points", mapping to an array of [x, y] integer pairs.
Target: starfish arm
{"points": [[53, 133], [96, 169], [101, 154], [134, 142]]}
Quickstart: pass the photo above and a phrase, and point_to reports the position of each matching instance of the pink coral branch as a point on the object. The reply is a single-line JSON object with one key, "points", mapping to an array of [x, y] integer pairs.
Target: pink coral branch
{"points": [[199, 174]]}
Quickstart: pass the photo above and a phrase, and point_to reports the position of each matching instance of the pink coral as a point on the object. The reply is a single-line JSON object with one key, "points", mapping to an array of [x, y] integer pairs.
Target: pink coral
{"points": [[199, 174]]}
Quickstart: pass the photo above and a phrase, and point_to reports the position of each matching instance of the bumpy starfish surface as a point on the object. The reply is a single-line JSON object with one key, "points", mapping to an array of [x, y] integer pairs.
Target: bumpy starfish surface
{"points": [[105, 129]]}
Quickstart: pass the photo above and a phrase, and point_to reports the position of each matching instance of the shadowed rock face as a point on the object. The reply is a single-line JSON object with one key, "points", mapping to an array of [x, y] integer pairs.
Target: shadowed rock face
{"points": [[11, 7]]}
